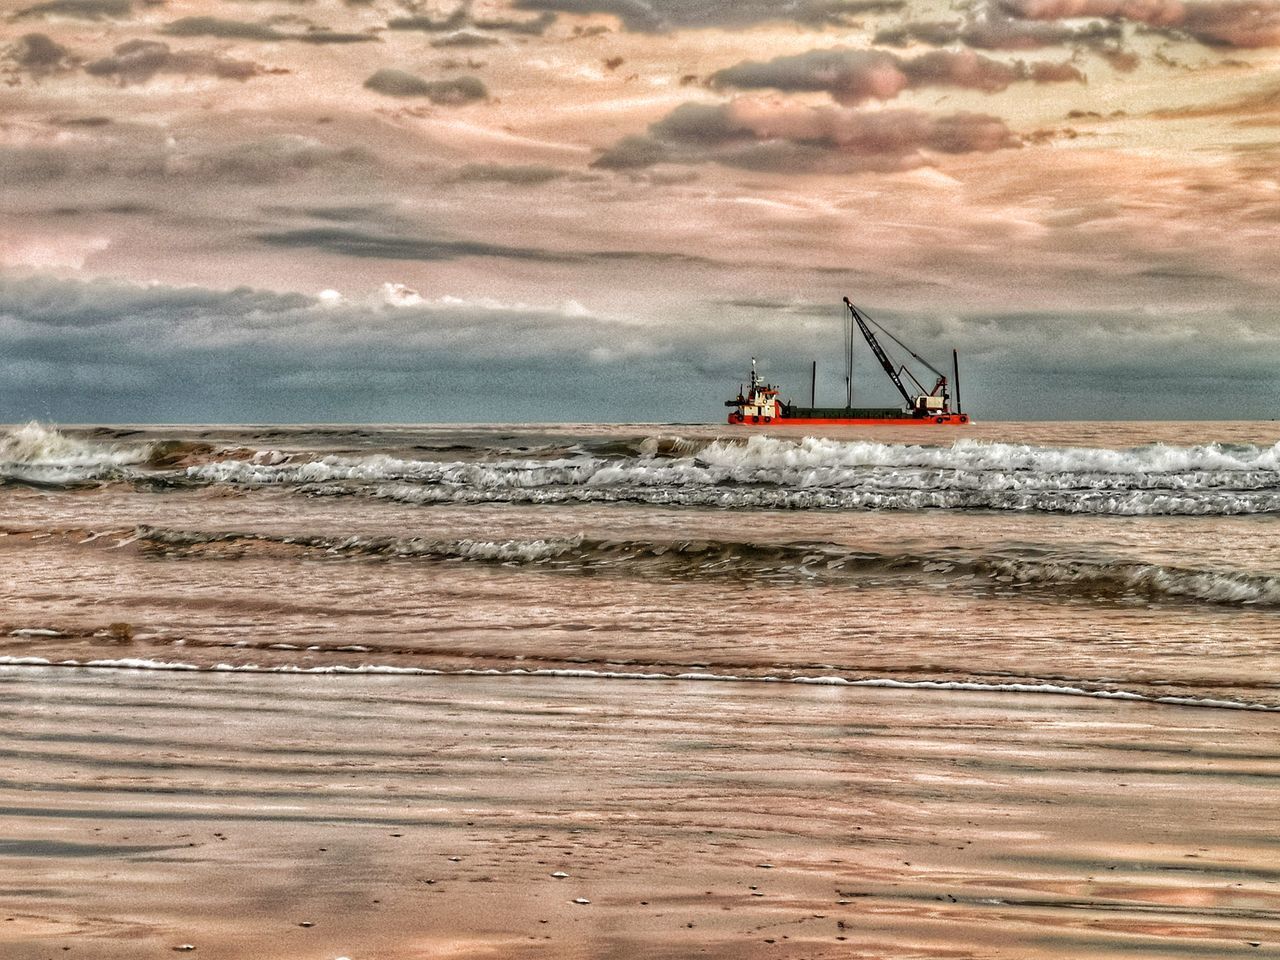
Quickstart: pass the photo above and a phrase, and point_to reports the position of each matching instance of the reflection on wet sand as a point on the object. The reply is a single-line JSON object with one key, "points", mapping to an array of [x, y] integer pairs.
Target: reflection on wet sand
{"points": [[320, 816]]}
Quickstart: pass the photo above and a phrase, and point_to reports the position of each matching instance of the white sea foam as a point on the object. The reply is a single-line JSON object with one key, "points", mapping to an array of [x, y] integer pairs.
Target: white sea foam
{"points": [[772, 472], [761, 452], [1130, 503], [38, 454], [1053, 689]]}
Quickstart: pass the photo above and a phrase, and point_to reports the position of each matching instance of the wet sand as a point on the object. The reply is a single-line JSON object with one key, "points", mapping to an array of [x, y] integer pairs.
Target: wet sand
{"points": [[425, 817]]}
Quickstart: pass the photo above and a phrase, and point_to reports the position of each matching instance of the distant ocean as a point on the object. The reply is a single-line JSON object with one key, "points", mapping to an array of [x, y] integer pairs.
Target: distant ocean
{"points": [[1129, 560]]}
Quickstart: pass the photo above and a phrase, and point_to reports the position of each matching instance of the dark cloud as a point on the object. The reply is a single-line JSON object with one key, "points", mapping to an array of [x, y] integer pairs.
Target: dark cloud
{"points": [[106, 351], [243, 30], [145, 156], [93, 304], [333, 36], [333, 214], [1231, 23], [465, 38], [454, 21], [115, 209], [657, 16], [272, 160], [1124, 61], [90, 121], [110, 154], [520, 175], [368, 244], [854, 76], [1064, 72], [39, 55], [139, 60], [1240, 24], [460, 18], [535, 26], [994, 30], [797, 138], [80, 9], [452, 92], [218, 27]]}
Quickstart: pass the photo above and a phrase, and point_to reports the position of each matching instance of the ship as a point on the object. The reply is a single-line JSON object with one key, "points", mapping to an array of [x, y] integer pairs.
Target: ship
{"points": [[761, 404]]}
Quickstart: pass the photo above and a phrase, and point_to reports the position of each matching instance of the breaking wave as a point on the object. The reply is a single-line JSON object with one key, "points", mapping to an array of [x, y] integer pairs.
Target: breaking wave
{"points": [[42, 456], [813, 473], [1014, 568], [758, 472]]}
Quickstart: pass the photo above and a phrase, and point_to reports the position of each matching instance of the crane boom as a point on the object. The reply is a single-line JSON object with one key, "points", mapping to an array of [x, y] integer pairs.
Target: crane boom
{"points": [[879, 352]]}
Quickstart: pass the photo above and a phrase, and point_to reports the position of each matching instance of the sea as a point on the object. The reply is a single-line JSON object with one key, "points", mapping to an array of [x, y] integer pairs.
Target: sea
{"points": [[1122, 560], [580, 691]]}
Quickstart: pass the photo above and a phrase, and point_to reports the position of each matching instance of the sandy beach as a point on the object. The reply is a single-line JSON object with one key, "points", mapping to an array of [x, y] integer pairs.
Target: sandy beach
{"points": [[395, 817]]}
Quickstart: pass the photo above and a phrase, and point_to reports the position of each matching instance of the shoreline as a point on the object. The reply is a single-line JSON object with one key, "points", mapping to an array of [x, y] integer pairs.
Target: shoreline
{"points": [[958, 686], [404, 818]]}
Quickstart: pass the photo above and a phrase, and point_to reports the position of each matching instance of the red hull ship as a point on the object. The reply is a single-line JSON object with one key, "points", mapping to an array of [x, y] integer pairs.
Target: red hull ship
{"points": [[761, 406]]}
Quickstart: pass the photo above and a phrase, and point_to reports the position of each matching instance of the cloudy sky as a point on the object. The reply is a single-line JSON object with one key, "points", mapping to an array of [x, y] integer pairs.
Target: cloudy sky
{"points": [[388, 210]]}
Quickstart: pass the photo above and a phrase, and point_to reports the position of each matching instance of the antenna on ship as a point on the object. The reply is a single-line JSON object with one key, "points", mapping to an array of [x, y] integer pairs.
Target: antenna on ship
{"points": [[848, 362], [813, 386], [955, 383]]}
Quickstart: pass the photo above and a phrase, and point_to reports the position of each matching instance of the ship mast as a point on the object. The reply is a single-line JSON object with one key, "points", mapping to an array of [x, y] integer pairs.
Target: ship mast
{"points": [[878, 351], [895, 374]]}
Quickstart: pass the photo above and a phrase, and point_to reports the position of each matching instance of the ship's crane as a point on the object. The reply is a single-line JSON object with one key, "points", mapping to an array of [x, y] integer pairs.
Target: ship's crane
{"points": [[921, 400]]}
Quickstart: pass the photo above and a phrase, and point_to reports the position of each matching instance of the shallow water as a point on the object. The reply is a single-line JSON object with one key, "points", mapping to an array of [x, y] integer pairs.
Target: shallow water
{"points": [[1130, 559], [404, 816]]}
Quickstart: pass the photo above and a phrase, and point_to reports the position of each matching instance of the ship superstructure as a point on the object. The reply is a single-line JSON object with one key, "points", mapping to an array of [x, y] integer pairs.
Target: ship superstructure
{"points": [[761, 404]]}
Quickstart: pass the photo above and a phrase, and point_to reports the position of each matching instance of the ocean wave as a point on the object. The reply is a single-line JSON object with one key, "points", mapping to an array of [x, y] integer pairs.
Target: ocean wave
{"points": [[758, 472], [961, 686], [812, 473], [42, 456], [1134, 503], [1011, 568]]}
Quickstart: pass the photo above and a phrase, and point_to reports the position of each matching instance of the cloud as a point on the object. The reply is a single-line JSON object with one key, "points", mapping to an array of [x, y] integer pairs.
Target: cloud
{"points": [[354, 213], [453, 92], [519, 174], [1231, 23], [994, 30], [271, 160], [854, 76], [138, 156], [333, 36], [465, 38], [460, 18], [39, 55], [455, 20], [535, 26], [137, 61], [219, 27], [367, 244], [659, 16], [764, 135], [107, 349], [79, 9]]}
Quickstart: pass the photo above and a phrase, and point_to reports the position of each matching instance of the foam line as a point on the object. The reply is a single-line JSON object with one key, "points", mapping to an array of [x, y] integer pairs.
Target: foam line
{"points": [[130, 663]]}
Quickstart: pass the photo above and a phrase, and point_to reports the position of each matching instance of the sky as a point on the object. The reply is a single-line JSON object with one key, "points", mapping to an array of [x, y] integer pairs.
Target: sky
{"points": [[576, 210]]}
